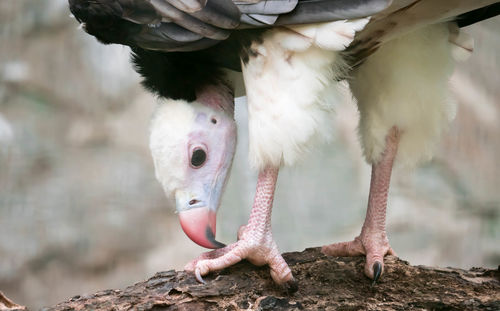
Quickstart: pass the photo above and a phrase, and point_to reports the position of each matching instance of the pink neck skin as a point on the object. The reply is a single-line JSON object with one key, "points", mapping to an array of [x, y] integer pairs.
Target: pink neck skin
{"points": [[217, 96]]}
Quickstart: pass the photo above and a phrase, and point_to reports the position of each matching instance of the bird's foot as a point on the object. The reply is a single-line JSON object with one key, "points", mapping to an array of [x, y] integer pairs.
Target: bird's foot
{"points": [[373, 246], [258, 248]]}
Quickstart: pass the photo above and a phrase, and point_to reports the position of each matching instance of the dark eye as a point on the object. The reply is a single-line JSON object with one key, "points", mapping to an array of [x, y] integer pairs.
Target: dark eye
{"points": [[214, 121], [198, 158]]}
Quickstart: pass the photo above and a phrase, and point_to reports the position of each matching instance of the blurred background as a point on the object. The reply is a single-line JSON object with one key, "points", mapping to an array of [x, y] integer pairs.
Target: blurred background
{"points": [[80, 210]]}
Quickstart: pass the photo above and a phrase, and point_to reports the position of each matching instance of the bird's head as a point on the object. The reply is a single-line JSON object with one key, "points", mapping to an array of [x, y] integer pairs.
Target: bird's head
{"points": [[192, 145]]}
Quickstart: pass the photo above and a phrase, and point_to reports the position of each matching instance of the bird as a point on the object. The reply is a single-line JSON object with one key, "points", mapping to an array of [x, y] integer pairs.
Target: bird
{"points": [[289, 55]]}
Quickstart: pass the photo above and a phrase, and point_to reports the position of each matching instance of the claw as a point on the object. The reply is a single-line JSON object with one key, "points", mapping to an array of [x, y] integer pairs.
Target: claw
{"points": [[198, 276], [291, 286], [377, 271]]}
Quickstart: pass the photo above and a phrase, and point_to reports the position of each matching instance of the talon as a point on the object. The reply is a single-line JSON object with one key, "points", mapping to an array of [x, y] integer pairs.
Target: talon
{"points": [[198, 276], [291, 286], [377, 271]]}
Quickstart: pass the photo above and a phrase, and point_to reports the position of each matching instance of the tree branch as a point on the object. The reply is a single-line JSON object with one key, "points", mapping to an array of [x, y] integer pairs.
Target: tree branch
{"points": [[325, 283]]}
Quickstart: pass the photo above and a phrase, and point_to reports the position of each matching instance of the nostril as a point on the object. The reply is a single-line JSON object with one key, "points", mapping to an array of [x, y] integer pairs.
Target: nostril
{"points": [[193, 202]]}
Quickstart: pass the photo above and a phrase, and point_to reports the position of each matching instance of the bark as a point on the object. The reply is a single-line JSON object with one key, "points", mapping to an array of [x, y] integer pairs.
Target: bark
{"points": [[7, 304], [325, 283]]}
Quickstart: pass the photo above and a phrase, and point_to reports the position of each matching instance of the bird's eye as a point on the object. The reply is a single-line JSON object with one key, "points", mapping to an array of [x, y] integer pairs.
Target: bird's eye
{"points": [[198, 158]]}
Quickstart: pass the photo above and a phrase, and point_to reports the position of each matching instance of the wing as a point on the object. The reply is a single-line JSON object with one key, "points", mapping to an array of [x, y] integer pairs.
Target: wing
{"points": [[404, 16], [189, 25], [267, 13], [163, 25]]}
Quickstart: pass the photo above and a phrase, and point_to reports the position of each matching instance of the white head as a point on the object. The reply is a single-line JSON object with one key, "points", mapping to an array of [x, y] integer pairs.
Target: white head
{"points": [[192, 147]]}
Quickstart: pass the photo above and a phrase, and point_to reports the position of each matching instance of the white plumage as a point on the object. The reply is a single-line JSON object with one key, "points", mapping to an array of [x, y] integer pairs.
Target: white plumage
{"points": [[291, 89], [171, 123], [405, 84]]}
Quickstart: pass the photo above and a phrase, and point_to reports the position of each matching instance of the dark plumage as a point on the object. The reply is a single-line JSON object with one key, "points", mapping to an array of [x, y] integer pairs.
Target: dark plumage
{"points": [[200, 44], [196, 59], [177, 75], [164, 73], [478, 15]]}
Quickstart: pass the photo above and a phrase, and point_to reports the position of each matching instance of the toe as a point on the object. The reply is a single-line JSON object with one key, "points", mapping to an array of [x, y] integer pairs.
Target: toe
{"points": [[352, 248], [281, 275], [202, 268], [374, 249], [190, 266], [391, 252], [280, 271], [374, 266]]}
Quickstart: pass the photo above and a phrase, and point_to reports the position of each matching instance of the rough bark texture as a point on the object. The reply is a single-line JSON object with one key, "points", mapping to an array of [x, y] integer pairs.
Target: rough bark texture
{"points": [[7, 304], [325, 283]]}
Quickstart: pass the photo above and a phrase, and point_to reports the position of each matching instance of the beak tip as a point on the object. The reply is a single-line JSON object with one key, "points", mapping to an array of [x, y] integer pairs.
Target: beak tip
{"points": [[210, 235], [199, 226]]}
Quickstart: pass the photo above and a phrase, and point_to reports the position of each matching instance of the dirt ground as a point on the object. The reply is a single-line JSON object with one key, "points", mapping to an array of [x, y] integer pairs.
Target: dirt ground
{"points": [[325, 283]]}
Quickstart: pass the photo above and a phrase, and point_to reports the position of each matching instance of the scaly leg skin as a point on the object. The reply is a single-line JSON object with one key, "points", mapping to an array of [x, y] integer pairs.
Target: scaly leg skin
{"points": [[255, 240], [373, 241]]}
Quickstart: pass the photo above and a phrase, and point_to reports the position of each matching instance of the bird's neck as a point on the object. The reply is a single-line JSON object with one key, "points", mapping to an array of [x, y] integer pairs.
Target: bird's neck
{"points": [[219, 96]]}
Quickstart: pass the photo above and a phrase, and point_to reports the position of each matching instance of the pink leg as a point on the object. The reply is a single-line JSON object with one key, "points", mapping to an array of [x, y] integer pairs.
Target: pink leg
{"points": [[255, 239], [373, 241]]}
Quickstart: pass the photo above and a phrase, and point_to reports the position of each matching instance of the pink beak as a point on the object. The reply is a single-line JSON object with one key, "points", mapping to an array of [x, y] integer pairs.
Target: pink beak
{"points": [[199, 225]]}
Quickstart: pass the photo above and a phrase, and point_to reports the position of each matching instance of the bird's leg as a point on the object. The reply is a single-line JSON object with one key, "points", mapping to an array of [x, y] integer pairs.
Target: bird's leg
{"points": [[255, 241], [373, 241]]}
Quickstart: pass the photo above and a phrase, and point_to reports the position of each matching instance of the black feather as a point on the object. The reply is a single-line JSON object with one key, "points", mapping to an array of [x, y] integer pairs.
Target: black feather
{"points": [[178, 75], [478, 15], [175, 75], [105, 20]]}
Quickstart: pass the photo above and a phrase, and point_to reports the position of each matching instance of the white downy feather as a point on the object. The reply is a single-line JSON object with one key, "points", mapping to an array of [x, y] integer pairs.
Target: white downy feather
{"points": [[171, 123], [291, 88], [405, 84]]}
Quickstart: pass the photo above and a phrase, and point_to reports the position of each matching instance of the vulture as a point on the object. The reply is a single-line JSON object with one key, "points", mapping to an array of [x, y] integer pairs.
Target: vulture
{"points": [[396, 56]]}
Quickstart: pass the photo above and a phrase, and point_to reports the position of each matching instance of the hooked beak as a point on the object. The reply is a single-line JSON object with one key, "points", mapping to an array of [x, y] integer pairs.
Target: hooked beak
{"points": [[197, 213], [199, 226]]}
